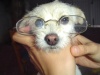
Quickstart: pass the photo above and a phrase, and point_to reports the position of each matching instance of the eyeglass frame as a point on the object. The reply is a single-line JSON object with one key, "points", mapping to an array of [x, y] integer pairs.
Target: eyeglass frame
{"points": [[44, 22]]}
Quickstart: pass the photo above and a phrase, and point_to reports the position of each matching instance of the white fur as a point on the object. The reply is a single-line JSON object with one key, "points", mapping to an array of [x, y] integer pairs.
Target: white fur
{"points": [[54, 11]]}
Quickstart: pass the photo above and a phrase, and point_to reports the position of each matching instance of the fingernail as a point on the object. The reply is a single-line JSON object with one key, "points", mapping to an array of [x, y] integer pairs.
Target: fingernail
{"points": [[76, 50]]}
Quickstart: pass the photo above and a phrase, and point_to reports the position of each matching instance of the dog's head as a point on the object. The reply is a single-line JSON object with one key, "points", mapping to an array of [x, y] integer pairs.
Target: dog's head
{"points": [[53, 24]]}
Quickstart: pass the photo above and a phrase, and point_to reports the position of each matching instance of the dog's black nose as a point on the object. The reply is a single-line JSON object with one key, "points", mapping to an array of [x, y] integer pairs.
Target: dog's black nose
{"points": [[51, 39]]}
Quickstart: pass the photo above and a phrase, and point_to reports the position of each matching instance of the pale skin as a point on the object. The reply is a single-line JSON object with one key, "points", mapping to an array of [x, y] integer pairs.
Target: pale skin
{"points": [[47, 63], [87, 52], [51, 63]]}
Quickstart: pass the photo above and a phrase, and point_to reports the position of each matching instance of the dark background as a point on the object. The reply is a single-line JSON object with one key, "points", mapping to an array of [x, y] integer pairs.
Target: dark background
{"points": [[12, 10]]}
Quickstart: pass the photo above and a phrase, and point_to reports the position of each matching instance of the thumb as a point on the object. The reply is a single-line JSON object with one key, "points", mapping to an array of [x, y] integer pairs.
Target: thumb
{"points": [[82, 50]]}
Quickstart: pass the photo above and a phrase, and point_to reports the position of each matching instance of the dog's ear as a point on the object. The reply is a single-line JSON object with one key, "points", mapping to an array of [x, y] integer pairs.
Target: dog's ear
{"points": [[82, 18], [56, 0], [80, 13]]}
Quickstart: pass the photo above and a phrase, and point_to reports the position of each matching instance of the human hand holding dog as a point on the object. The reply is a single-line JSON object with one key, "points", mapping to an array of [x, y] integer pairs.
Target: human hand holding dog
{"points": [[51, 63], [87, 52]]}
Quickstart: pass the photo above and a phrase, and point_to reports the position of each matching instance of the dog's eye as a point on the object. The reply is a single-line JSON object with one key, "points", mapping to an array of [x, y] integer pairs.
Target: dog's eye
{"points": [[39, 22], [64, 20]]}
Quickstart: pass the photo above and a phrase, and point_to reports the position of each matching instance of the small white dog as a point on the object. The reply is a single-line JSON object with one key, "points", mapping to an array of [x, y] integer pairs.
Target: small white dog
{"points": [[53, 24]]}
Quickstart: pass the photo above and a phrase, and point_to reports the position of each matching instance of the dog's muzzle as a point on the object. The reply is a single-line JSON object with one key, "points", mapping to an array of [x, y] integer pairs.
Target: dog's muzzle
{"points": [[51, 39]]}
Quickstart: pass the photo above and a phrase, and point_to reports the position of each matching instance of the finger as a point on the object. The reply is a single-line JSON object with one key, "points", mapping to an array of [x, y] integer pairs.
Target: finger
{"points": [[81, 39], [35, 61], [84, 61], [83, 49], [25, 29], [22, 39]]}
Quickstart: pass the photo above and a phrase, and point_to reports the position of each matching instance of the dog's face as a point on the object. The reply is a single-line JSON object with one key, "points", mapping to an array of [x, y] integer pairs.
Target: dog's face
{"points": [[53, 24]]}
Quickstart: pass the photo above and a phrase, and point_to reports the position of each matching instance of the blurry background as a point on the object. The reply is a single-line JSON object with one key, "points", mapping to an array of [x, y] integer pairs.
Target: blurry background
{"points": [[13, 57]]}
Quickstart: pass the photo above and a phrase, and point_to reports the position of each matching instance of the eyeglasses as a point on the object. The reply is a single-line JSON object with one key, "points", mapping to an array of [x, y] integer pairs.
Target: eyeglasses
{"points": [[26, 25]]}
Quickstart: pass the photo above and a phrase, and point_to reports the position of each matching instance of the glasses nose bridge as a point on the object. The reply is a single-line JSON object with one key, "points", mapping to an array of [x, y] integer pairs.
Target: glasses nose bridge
{"points": [[51, 22]]}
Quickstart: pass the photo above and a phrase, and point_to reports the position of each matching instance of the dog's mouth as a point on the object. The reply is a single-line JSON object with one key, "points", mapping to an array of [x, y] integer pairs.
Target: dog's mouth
{"points": [[53, 47]]}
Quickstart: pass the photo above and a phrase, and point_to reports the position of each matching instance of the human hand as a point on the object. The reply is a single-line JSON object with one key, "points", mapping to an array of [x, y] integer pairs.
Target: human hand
{"points": [[51, 63], [87, 52]]}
